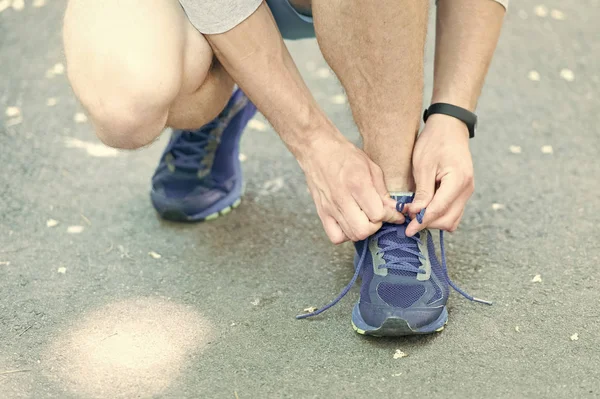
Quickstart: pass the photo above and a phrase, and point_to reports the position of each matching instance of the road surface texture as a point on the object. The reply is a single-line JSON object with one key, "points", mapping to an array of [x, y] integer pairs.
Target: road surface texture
{"points": [[99, 298]]}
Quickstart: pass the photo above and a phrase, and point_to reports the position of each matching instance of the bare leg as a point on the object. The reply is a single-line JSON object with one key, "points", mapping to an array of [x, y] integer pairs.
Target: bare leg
{"points": [[138, 66], [376, 50]]}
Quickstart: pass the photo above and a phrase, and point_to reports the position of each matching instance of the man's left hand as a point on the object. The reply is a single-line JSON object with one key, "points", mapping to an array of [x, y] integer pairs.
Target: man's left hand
{"points": [[443, 172]]}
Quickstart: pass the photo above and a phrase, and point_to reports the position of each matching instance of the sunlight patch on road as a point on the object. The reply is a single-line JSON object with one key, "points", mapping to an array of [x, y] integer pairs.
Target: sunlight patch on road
{"points": [[135, 348]]}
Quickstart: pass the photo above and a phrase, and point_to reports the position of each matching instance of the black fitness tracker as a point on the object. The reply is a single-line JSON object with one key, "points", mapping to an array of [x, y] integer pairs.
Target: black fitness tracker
{"points": [[469, 118]]}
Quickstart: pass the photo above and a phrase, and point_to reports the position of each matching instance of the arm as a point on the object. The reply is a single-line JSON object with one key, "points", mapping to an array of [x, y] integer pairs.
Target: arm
{"points": [[254, 54], [466, 36]]}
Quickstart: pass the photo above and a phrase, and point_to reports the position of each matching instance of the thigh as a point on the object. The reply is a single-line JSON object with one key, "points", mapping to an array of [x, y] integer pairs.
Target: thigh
{"points": [[140, 49]]}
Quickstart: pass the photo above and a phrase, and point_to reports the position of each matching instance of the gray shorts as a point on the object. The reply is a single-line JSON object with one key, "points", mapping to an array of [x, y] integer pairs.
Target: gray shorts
{"points": [[218, 16]]}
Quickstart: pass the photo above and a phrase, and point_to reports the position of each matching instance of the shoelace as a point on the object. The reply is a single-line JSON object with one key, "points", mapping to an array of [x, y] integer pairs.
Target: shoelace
{"points": [[189, 148], [397, 263]]}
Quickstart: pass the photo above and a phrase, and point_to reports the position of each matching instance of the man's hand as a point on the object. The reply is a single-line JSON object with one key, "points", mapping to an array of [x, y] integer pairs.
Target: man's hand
{"points": [[348, 189], [443, 172]]}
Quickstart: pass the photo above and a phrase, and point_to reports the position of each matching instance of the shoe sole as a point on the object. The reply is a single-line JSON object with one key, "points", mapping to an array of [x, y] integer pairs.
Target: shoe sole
{"points": [[395, 326], [176, 215]]}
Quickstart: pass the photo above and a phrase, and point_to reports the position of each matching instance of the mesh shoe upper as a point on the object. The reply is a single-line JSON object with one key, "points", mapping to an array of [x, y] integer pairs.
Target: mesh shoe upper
{"points": [[401, 276], [198, 168]]}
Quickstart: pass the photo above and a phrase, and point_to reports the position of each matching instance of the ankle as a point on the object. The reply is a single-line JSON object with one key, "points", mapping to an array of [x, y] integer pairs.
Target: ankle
{"points": [[400, 185]]}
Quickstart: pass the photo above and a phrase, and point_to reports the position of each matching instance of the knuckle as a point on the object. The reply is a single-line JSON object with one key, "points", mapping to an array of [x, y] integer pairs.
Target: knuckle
{"points": [[377, 215], [336, 240], [363, 233], [468, 179]]}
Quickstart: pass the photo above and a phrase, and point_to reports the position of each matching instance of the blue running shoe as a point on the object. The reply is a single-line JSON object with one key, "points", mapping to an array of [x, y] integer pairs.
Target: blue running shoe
{"points": [[404, 287], [199, 176]]}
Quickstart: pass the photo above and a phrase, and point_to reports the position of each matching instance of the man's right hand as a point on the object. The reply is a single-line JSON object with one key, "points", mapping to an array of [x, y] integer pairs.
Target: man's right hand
{"points": [[348, 189]]}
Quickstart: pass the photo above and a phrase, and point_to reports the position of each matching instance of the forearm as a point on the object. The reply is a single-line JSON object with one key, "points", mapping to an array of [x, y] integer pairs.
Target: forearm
{"points": [[467, 32], [254, 54]]}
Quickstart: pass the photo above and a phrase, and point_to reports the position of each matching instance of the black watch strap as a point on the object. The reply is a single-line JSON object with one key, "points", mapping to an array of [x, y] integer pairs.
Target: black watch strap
{"points": [[469, 118]]}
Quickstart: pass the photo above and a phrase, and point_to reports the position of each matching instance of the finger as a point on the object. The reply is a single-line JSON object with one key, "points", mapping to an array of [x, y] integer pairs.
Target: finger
{"points": [[449, 191], [370, 203], [377, 209], [333, 230], [447, 222], [358, 222], [390, 214], [425, 188]]}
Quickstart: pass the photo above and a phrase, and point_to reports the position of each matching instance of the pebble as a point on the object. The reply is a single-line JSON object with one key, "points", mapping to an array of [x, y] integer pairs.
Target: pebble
{"points": [[515, 149], [534, 76], [541, 11], [547, 149], [567, 74]]}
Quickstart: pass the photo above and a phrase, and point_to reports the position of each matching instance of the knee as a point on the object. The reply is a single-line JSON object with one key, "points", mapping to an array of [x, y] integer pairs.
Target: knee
{"points": [[127, 122], [128, 113]]}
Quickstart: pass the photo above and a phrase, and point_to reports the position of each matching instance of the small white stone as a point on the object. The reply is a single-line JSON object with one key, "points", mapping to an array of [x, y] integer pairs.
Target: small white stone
{"points": [[255, 302], [39, 3], [51, 102], [62, 270], [515, 149], [323, 73], [255, 124], [396, 375], [272, 186], [243, 157], [523, 14], [74, 229], [541, 11], [13, 111], [536, 279], [574, 337], [399, 354], [4, 263], [557, 14], [51, 223], [534, 76], [58, 69], [567, 74], [18, 5], [4, 4], [155, 255], [310, 309], [517, 329], [80, 117], [547, 149], [338, 99], [497, 207]]}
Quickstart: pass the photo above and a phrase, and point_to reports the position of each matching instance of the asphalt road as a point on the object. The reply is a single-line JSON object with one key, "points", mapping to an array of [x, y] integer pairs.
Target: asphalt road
{"points": [[87, 312]]}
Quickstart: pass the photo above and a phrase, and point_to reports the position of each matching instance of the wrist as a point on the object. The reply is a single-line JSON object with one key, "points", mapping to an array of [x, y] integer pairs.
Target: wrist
{"points": [[455, 98], [445, 123], [306, 142]]}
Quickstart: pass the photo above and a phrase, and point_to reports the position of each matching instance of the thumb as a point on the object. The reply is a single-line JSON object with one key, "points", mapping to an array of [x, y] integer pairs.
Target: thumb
{"points": [[425, 189]]}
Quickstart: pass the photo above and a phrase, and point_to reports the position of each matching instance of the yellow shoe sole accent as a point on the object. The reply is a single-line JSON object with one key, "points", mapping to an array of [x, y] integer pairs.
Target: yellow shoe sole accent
{"points": [[223, 211]]}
